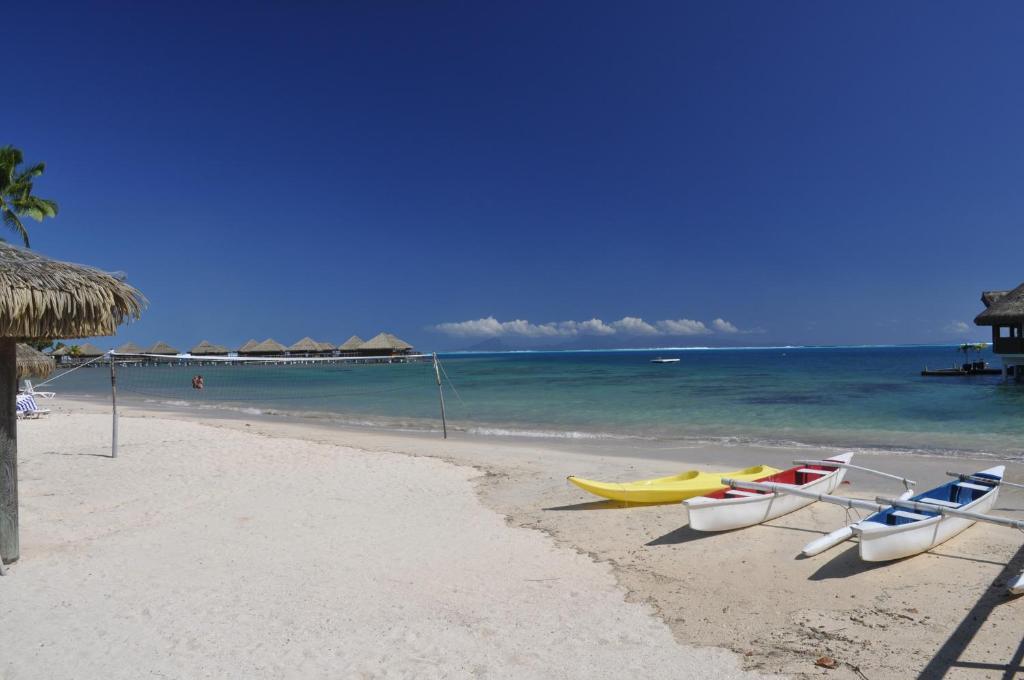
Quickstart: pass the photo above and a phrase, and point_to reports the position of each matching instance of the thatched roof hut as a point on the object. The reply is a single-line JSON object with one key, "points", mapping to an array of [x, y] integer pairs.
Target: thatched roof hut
{"points": [[161, 347], [33, 363], [208, 349], [42, 298], [89, 351], [60, 351], [326, 347], [1002, 307], [268, 347], [305, 346], [129, 348], [349, 347], [247, 347], [384, 344]]}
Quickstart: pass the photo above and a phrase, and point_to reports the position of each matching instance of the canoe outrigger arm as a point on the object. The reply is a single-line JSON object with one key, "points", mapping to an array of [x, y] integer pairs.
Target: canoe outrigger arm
{"points": [[907, 483], [950, 512], [984, 480], [775, 487]]}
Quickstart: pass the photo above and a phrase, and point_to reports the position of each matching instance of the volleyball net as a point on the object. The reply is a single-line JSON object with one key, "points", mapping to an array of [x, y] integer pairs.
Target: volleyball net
{"points": [[409, 386]]}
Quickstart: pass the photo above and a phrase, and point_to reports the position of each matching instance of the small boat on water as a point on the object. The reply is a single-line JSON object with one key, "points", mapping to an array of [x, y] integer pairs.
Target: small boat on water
{"points": [[918, 525], [669, 489], [732, 508], [660, 360]]}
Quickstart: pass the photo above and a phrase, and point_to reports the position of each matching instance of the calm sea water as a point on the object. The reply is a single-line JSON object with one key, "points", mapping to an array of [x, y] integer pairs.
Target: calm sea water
{"points": [[853, 397]]}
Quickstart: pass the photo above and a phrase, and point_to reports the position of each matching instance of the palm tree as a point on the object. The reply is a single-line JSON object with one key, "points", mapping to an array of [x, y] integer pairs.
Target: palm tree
{"points": [[16, 199]]}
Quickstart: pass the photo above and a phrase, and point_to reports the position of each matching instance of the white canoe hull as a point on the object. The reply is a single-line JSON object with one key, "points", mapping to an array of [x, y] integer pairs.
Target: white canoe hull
{"points": [[725, 514], [881, 543]]}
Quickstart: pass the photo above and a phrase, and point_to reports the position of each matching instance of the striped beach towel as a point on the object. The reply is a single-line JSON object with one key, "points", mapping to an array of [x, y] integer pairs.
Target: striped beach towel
{"points": [[26, 405]]}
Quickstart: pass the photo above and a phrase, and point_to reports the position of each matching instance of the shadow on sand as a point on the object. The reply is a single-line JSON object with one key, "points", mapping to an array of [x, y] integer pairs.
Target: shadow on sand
{"points": [[845, 564], [948, 655], [605, 505]]}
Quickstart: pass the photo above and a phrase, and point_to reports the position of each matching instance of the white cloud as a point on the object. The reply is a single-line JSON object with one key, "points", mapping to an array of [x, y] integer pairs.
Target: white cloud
{"points": [[490, 327], [682, 327], [723, 326], [959, 328], [633, 325]]}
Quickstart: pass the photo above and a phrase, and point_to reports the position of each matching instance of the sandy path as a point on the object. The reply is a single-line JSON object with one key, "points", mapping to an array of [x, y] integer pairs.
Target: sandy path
{"points": [[220, 553]]}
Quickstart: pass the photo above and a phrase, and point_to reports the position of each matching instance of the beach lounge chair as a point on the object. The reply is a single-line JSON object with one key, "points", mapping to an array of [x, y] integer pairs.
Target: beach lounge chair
{"points": [[28, 389], [27, 408]]}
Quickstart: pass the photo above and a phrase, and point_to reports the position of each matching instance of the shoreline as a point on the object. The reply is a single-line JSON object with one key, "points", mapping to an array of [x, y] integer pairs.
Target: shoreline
{"points": [[603, 443], [870, 617]]}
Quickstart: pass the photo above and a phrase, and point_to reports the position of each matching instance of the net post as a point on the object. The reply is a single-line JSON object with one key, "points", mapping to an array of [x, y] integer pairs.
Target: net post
{"points": [[113, 404], [440, 394]]}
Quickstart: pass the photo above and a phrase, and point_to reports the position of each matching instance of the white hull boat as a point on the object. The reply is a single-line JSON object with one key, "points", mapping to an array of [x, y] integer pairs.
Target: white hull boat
{"points": [[734, 508], [896, 532]]}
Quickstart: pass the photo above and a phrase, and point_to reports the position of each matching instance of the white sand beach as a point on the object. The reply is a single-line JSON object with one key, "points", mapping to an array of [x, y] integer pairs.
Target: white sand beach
{"points": [[226, 547], [211, 552]]}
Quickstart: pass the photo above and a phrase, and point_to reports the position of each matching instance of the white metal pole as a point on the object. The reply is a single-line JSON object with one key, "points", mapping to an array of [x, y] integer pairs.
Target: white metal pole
{"points": [[440, 394], [113, 404]]}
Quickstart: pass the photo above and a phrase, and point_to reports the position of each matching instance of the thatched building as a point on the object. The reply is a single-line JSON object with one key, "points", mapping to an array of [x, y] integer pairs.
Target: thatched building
{"points": [[384, 345]]}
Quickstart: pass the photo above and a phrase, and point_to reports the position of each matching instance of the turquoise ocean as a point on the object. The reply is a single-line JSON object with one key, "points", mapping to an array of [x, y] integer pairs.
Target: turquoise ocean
{"points": [[857, 397]]}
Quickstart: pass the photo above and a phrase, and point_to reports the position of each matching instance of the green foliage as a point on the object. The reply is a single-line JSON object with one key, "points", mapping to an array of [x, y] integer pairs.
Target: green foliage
{"points": [[40, 345], [74, 350], [16, 198]]}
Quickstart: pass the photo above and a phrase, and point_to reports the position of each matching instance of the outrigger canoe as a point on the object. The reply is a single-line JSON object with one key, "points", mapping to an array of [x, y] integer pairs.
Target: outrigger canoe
{"points": [[729, 508], [917, 524], [670, 489]]}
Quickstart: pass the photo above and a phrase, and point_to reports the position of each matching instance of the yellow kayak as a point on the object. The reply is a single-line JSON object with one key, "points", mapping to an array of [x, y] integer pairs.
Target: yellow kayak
{"points": [[670, 489]]}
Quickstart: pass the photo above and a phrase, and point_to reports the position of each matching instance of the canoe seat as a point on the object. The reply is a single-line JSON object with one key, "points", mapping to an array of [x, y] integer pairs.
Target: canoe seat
{"points": [[973, 487], [740, 492], [809, 471], [912, 516], [947, 504]]}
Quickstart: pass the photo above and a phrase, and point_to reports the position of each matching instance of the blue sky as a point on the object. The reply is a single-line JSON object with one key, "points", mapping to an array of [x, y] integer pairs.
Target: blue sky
{"points": [[730, 172]]}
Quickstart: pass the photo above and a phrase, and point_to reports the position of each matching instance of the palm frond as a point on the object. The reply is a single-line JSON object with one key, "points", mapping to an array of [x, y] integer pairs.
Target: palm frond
{"points": [[15, 225]]}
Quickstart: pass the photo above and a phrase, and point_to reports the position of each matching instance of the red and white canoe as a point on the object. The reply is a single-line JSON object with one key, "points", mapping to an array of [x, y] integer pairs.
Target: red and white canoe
{"points": [[736, 508]]}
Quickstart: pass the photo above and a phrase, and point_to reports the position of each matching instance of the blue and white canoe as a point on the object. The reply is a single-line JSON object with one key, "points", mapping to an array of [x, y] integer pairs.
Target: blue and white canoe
{"points": [[908, 525], [918, 524]]}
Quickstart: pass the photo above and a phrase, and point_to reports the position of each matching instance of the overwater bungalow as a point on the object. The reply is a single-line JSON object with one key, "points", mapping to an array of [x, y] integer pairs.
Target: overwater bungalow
{"points": [[208, 349], [1004, 312], [384, 345], [349, 347], [307, 347], [161, 347], [247, 348], [268, 348], [129, 348]]}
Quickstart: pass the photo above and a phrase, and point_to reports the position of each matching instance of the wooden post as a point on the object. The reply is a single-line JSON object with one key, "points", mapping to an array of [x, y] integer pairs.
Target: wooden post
{"points": [[10, 549], [113, 404], [440, 393]]}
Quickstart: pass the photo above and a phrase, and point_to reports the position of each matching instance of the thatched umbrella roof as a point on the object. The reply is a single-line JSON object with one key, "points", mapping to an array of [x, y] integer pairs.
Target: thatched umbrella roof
{"points": [[44, 298], [129, 348], [352, 343], [161, 347], [1003, 307], [307, 344], [207, 348], [32, 363], [247, 347], [385, 341], [269, 346], [90, 350]]}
